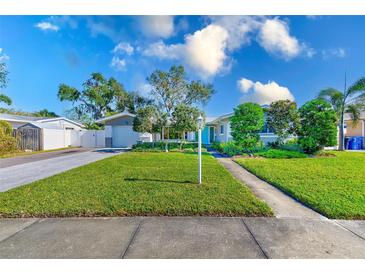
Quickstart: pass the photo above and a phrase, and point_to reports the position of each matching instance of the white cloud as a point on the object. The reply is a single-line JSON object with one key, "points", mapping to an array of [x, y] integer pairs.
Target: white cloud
{"points": [[263, 93], [203, 51], [207, 51], [123, 47], [274, 37], [335, 52], [47, 26], [245, 85], [160, 26], [3, 56], [163, 51], [118, 63], [239, 28]]}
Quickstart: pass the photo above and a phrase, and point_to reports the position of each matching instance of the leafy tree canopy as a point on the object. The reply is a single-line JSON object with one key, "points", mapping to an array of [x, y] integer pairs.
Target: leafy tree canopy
{"points": [[318, 126], [246, 124], [174, 99], [3, 83], [100, 97], [283, 118]]}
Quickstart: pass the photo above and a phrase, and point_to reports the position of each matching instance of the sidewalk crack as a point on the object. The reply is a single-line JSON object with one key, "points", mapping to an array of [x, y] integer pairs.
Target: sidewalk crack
{"points": [[256, 241], [122, 256]]}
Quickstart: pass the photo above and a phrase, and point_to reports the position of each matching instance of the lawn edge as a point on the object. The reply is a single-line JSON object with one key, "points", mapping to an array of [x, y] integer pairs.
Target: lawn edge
{"points": [[359, 218]]}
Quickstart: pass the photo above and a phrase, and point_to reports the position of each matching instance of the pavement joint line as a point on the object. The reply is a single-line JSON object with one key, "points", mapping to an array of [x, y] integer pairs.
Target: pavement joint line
{"points": [[132, 239], [361, 237], [256, 241], [24, 228]]}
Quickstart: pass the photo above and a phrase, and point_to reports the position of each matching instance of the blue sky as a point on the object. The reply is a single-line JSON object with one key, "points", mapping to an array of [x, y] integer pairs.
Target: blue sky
{"points": [[257, 59]]}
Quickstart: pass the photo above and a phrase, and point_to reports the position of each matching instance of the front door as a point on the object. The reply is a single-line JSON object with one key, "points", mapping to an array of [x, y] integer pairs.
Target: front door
{"points": [[211, 135]]}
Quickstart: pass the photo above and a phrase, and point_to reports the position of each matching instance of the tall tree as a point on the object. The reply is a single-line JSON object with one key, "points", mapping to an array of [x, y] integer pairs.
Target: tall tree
{"points": [[283, 118], [172, 88], [3, 83], [97, 97], [246, 124], [351, 100], [173, 93]]}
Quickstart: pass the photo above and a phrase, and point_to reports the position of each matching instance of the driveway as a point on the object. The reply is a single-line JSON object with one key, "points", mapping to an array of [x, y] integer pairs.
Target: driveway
{"points": [[18, 160], [181, 237], [28, 172]]}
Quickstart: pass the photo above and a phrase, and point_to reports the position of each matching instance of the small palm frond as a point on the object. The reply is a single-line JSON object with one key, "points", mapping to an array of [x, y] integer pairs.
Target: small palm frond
{"points": [[358, 86], [355, 111], [5, 99], [333, 96]]}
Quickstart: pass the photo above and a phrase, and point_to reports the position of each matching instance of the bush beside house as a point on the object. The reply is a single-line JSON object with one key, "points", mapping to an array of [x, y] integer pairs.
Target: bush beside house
{"points": [[7, 141]]}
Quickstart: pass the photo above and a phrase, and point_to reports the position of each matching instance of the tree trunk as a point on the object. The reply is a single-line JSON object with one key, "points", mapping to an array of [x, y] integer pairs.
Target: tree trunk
{"points": [[341, 136]]}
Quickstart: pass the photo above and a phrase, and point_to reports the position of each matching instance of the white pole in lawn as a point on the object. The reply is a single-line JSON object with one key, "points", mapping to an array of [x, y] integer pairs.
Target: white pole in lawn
{"points": [[200, 124]]}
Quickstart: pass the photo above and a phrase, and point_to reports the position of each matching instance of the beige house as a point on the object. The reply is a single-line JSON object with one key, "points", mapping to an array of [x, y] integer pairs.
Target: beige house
{"points": [[355, 129]]}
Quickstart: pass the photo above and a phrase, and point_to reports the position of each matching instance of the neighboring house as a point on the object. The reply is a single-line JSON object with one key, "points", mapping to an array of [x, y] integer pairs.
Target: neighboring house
{"points": [[61, 122], [219, 130], [119, 130], [39, 133], [355, 129]]}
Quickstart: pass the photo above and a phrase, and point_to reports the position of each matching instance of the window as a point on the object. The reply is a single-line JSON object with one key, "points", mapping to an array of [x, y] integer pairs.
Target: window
{"points": [[222, 129]]}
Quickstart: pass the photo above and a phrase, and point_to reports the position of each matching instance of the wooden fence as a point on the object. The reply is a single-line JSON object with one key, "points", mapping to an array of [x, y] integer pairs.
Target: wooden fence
{"points": [[28, 138]]}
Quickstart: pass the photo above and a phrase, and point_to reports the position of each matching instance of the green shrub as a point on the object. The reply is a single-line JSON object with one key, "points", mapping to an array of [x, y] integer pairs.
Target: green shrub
{"points": [[161, 146], [8, 143], [280, 154], [231, 149], [203, 149], [246, 124], [188, 150], [318, 126]]}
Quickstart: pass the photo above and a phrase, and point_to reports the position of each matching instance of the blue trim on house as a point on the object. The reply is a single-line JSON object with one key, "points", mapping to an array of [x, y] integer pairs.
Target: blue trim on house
{"points": [[205, 135]]}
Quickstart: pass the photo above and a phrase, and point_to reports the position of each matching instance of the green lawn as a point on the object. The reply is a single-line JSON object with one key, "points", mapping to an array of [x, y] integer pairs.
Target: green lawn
{"points": [[136, 184], [334, 186]]}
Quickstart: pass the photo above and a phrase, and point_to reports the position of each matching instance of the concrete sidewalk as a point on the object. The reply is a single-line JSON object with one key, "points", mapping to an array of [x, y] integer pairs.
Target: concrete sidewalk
{"points": [[17, 175], [281, 203], [181, 237]]}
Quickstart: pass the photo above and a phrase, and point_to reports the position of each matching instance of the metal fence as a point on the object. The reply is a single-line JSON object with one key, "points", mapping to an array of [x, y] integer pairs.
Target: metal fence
{"points": [[28, 138]]}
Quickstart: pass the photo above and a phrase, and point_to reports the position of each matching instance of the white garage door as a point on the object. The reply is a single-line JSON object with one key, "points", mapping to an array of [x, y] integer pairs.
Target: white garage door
{"points": [[124, 136]]}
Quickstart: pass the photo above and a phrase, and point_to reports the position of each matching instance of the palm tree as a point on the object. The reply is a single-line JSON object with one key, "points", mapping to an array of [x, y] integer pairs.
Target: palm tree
{"points": [[351, 101]]}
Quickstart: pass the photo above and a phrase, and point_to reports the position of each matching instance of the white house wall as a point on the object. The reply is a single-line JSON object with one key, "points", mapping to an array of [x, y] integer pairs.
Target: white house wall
{"points": [[54, 139], [92, 138]]}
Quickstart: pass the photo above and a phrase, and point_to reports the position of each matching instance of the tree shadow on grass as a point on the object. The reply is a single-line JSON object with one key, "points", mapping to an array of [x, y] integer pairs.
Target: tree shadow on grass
{"points": [[158, 181]]}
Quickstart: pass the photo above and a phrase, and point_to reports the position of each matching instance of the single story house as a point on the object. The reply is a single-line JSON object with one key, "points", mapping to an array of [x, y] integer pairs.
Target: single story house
{"points": [[219, 130], [39, 133], [119, 130]]}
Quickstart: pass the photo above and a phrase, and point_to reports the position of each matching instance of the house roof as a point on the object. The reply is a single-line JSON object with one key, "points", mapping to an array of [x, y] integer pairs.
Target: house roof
{"points": [[115, 116], [42, 125], [217, 119], [30, 119], [18, 118]]}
